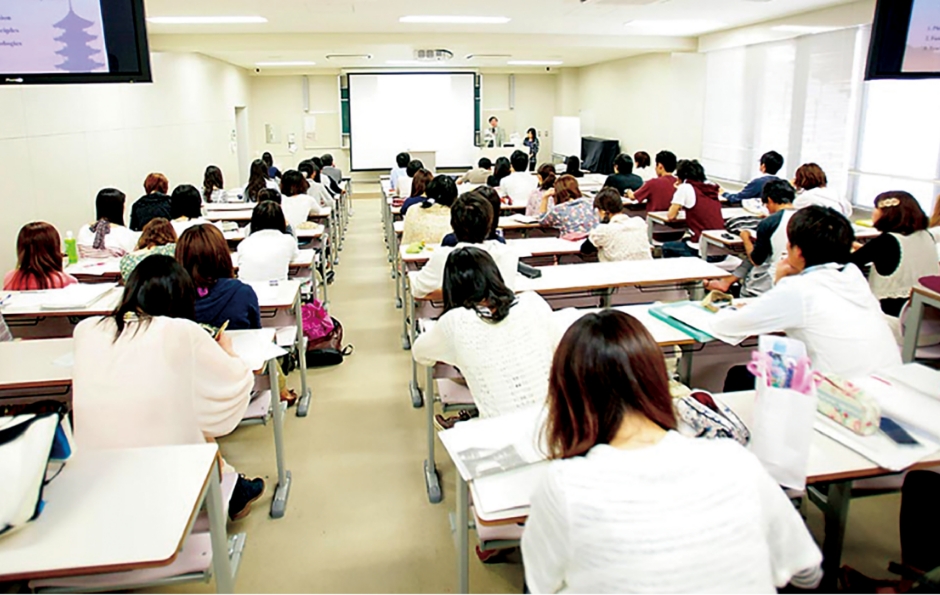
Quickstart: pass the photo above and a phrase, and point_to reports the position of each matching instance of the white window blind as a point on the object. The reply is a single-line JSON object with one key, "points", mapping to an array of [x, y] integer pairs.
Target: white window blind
{"points": [[724, 142]]}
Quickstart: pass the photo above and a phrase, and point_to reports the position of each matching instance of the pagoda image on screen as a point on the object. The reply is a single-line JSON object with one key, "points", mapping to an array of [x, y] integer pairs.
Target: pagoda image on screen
{"points": [[78, 55]]}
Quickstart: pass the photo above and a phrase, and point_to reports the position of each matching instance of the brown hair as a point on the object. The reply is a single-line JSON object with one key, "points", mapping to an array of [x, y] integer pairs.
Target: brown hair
{"points": [[935, 218], [157, 232], [900, 213], [420, 181], [548, 175], [609, 201], [607, 366], [156, 183], [38, 254], [642, 159], [810, 176], [566, 188], [203, 252]]}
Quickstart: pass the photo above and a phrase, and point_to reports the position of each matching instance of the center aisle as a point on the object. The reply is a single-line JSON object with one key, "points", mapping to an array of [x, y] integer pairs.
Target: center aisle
{"points": [[358, 519]]}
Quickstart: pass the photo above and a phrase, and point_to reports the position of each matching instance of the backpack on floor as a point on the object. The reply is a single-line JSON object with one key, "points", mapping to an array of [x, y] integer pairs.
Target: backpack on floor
{"points": [[328, 350]]}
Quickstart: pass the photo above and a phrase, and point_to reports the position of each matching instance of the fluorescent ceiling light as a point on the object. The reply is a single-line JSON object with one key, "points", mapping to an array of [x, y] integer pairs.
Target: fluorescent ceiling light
{"points": [[455, 20], [678, 28], [487, 56], [807, 29], [348, 56], [221, 20], [535, 62], [286, 63]]}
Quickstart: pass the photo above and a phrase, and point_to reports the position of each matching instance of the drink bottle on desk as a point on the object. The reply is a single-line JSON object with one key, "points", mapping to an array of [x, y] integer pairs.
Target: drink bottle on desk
{"points": [[71, 248]]}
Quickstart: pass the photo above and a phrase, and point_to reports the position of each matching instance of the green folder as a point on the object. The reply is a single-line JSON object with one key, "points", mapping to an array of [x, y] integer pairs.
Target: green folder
{"points": [[661, 312]]}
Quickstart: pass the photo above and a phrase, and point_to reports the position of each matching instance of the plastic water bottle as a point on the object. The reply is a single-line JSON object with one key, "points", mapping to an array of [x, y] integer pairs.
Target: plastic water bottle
{"points": [[71, 248]]}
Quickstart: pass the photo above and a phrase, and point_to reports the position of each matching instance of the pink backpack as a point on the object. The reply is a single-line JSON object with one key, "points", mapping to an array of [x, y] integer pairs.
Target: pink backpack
{"points": [[317, 321]]}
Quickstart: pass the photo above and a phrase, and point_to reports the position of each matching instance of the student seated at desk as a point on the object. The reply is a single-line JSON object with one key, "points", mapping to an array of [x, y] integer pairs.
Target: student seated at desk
{"points": [[624, 179], [155, 203], [518, 186], [185, 208], [330, 170], [158, 237], [213, 187], [490, 195], [148, 375], [258, 180], [405, 182], [38, 260], [811, 184], [619, 236], [295, 202], [479, 174], [502, 345], [273, 196], [821, 299], [658, 192], [472, 219], [770, 163], [572, 214], [266, 254], [107, 237], [315, 189], [758, 271], [642, 163], [203, 252], [401, 164], [903, 253], [573, 167], [546, 189], [332, 187], [419, 187], [629, 505], [273, 172], [501, 170], [429, 221], [699, 198]]}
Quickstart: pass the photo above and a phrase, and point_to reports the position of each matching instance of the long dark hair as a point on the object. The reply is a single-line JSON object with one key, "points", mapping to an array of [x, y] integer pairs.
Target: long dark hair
{"points": [[257, 180], [420, 181], [211, 181], [38, 254], [203, 252], [293, 183], [606, 366], [473, 281], [109, 204], [573, 167], [502, 169], [158, 286]]}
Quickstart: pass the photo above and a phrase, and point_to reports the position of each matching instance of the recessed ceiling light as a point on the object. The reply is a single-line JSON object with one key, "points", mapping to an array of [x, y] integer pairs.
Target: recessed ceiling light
{"points": [[286, 63], [487, 56], [349, 56], [535, 62], [807, 29], [222, 20], [453, 19], [672, 27]]}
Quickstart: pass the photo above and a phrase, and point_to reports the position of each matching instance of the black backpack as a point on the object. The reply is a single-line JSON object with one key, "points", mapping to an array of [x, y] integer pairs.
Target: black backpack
{"points": [[329, 350]]}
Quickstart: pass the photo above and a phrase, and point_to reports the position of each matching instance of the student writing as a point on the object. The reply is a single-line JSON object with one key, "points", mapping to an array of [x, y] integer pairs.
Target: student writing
{"points": [[429, 221], [158, 237], [572, 213], [107, 236], [619, 236], [266, 254], [624, 179]]}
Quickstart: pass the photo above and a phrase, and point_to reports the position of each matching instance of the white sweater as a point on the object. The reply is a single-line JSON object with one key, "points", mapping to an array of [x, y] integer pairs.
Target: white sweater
{"points": [[832, 310], [119, 241], [824, 197], [682, 516], [624, 238], [168, 383], [297, 209], [506, 364], [431, 277], [266, 256]]}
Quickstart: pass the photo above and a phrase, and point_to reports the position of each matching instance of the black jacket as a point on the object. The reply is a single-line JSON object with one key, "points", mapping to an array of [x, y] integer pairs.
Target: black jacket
{"points": [[149, 207]]}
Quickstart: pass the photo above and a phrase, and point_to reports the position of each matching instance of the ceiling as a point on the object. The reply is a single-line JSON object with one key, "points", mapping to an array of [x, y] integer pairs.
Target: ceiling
{"points": [[571, 31]]}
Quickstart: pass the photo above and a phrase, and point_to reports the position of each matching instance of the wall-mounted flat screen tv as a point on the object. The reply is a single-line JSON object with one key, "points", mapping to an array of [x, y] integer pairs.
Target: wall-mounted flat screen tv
{"points": [[905, 41]]}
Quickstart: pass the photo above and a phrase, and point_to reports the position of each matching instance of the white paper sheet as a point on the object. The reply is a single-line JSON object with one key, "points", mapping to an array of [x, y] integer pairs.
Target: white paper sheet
{"points": [[878, 448], [256, 347], [700, 318]]}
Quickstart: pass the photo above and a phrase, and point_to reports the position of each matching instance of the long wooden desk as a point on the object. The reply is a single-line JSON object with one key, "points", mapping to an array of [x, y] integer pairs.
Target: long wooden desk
{"points": [[121, 510], [716, 240], [34, 369], [661, 219], [921, 298]]}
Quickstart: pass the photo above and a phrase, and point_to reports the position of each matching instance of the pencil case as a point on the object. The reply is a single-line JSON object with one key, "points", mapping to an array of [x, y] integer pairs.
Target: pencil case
{"points": [[846, 404]]}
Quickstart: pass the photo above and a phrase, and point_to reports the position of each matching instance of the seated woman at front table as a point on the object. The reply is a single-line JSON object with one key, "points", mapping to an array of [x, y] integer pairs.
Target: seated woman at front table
{"points": [[699, 199], [158, 237], [573, 167], [812, 186], [619, 236], [429, 221], [155, 203], [107, 237], [38, 260], [624, 179], [903, 253], [213, 187], [185, 208], [572, 214], [266, 254], [419, 187], [629, 505], [220, 297], [148, 375], [546, 178], [502, 345], [490, 195]]}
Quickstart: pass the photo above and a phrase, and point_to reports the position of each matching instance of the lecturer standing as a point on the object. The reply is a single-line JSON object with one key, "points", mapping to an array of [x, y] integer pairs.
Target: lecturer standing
{"points": [[494, 136]]}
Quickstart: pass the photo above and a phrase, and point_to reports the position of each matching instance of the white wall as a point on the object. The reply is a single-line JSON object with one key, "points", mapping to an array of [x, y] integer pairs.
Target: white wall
{"points": [[60, 144], [534, 106]]}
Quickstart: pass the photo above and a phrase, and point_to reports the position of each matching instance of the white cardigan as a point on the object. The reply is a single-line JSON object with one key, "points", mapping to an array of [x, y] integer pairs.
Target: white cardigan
{"points": [[682, 516], [266, 256], [624, 238], [167, 383], [506, 364]]}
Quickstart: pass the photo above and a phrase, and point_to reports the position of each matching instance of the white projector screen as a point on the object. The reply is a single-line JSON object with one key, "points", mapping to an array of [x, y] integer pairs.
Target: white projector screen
{"points": [[394, 112]]}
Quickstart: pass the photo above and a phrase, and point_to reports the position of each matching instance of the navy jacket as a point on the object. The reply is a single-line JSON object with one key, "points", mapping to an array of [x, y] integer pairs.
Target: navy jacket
{"points": [[149, 207], [230, 300], [754, 189]]}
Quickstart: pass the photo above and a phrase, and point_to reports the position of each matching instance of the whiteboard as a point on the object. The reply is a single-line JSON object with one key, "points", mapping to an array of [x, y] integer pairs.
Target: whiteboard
{"points": [[567, 131]]}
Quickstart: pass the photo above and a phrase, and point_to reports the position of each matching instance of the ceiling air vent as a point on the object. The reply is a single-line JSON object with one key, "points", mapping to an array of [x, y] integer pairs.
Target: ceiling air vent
{"points": [[433, 55]]}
